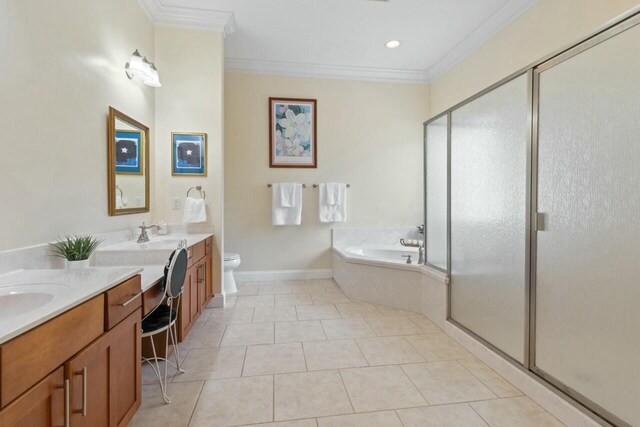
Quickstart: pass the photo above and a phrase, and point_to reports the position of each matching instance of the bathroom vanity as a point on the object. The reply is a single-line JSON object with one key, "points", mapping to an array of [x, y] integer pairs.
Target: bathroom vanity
{"points": [[80, 366]]}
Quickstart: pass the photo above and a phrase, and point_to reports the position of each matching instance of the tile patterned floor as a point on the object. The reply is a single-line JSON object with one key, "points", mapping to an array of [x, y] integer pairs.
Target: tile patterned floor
{"points": [[303, 354]]}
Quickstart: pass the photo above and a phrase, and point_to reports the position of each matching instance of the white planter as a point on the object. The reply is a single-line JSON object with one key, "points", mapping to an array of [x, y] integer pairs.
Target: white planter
{"points": [[77, 265]]}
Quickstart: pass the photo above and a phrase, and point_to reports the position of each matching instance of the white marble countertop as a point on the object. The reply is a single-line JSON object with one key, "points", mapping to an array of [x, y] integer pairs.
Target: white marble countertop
{"points": [[167, 242], [151, 274], [68, 287]]}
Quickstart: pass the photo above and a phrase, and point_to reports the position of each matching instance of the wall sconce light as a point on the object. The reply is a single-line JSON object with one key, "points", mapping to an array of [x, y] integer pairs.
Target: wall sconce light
{"points": [[139, 68]]}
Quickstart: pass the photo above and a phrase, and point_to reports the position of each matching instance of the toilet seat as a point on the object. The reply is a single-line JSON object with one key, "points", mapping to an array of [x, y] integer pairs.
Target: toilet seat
{"points": [[231, 256]]}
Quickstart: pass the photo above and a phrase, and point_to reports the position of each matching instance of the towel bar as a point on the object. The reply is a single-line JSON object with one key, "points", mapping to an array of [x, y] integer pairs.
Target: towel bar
{"points": [[271, 185], [316, 185]]}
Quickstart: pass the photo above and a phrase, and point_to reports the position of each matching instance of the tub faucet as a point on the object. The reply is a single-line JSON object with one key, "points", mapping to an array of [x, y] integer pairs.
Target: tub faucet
{"points": [[415, 244], [144, 236], [420, 229]]}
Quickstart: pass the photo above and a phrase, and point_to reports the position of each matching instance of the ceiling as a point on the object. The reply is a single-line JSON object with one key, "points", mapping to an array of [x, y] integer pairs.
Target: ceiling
{"points": [[344, 38]]}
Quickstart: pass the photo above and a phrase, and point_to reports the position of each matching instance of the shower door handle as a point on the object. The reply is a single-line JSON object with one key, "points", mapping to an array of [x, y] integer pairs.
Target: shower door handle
{"points": [[541, 221]]}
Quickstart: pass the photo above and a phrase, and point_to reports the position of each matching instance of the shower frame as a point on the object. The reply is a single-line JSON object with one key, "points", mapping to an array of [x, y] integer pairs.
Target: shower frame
{"points": [[612, 28]]}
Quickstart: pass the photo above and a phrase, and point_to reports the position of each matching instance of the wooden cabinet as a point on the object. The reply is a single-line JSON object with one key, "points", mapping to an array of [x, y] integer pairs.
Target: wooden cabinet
{"points": [[198, 288], [43, 405], [105, 377], [88, 375], [70, 367], [125, 380]]}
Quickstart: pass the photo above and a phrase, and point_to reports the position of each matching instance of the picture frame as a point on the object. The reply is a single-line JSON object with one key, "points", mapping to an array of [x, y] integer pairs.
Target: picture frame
{"points": [[293, 141], [188, 154], [128, 150]]}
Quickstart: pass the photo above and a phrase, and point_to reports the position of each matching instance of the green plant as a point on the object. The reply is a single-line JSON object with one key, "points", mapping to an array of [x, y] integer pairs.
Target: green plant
{"points": [[75, 248]]}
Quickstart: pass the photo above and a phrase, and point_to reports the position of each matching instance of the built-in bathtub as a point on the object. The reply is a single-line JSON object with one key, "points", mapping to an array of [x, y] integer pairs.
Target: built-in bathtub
{"points": [[368, 264]]}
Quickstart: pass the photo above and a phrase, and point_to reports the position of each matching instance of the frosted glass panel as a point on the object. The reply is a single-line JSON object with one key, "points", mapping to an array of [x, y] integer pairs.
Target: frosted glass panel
{"points": [[489, 139], [588, 257], [436, 188]]}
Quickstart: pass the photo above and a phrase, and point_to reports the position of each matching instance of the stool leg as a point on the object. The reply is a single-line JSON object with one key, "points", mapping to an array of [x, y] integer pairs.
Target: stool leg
{"points": [[163, 385]]}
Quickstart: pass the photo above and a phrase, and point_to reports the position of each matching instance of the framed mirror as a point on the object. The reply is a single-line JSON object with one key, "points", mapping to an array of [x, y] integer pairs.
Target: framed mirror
{"points": [[128, 164]]}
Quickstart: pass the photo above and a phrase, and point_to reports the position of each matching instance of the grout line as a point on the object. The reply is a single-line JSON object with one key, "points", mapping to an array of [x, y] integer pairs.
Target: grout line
{"points": [[346, 390], [477, 378], [273, 398], [414, 384], [193, 411], [474, 410]]}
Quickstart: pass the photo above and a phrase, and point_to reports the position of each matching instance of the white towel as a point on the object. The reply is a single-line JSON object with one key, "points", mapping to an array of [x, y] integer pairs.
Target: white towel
{"points": [[289, 194], [332, 202], [195, 210], [285, 215]]}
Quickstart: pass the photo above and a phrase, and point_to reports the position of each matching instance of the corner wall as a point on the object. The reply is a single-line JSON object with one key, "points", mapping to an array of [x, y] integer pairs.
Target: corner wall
{"points": [[191, 100], [62, 66], [369, 135], [546, 27]]}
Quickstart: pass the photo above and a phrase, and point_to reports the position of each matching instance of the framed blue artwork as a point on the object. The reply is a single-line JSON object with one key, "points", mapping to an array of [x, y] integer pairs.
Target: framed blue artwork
{"points": [[128, 152], [188, 154]]}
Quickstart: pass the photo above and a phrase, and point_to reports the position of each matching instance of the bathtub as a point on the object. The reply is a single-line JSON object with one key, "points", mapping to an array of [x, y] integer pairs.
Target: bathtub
{"points": [[383, 253]]}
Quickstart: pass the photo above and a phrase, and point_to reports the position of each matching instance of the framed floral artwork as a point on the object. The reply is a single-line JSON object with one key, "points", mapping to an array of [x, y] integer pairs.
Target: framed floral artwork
{"points": [[292, 133], [188, 154]]}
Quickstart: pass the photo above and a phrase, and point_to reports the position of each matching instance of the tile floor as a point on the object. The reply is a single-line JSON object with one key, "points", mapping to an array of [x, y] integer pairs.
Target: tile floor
{"points": [[303, 354]]}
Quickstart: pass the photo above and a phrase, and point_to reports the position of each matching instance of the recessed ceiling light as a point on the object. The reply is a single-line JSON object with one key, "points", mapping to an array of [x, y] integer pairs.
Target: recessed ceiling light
{"points": [[392, 44]]}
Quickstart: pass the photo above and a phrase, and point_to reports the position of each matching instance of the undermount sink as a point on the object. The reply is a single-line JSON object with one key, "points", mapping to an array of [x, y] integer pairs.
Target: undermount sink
{"points": [[16, 300], [161, 244]]}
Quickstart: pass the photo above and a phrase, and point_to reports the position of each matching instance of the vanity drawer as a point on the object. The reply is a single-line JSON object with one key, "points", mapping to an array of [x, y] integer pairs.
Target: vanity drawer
{"points": [[208, 245], [28, 358], [123, 300], [196, 252], [152, 297]]}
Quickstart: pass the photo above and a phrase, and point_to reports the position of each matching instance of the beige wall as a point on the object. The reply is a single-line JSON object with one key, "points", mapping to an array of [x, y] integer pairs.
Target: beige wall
{"points": [[369, 135], [546, 27], [190, 100], [60, 70]]}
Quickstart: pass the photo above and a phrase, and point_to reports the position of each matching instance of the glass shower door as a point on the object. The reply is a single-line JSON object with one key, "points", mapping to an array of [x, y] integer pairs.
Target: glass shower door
{"points": [[587, 287], [436, 146], [489, 156]]}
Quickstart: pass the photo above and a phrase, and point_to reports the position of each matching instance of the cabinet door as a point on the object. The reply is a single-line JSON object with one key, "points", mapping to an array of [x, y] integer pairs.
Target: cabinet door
{"points": [[184, 313], [88, 374], [202, 284], [208, 277], [40, 406], [193, 291], [125, 368]]}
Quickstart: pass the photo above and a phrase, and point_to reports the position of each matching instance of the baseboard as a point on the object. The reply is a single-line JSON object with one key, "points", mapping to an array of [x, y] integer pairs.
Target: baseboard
{"points": [[217, 301], [267, 276], [531, 386]]}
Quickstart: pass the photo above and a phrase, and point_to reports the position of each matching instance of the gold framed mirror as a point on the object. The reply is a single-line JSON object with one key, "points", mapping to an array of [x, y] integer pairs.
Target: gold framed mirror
{"points": [[127, 164]]}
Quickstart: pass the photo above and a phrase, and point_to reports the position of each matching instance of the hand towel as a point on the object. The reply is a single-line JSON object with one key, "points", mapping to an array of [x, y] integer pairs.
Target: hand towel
{"points": [[285, 215], [332, 202], [289, 194], [335, 193], [195, 210]]}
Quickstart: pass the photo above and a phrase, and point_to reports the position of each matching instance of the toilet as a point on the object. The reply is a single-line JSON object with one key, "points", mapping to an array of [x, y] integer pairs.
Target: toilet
{"points": [[231, 262]]}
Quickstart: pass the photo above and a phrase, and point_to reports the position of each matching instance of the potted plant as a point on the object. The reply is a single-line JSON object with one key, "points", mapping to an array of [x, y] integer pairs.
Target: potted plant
{"points": [[76, 250]]}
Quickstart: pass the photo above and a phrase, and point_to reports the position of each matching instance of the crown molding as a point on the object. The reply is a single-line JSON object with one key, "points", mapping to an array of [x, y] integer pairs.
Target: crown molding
{"points": [[492, 26], [224, 22], [325, 71], [187, 17]]}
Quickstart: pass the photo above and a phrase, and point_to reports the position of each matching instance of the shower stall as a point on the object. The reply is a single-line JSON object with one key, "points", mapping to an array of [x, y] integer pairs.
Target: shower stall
{"points": [[532, 207]]}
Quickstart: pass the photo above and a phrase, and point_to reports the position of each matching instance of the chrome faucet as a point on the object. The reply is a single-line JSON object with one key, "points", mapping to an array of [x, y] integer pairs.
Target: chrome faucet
{"points": [[418, 244], [144, 236]]}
